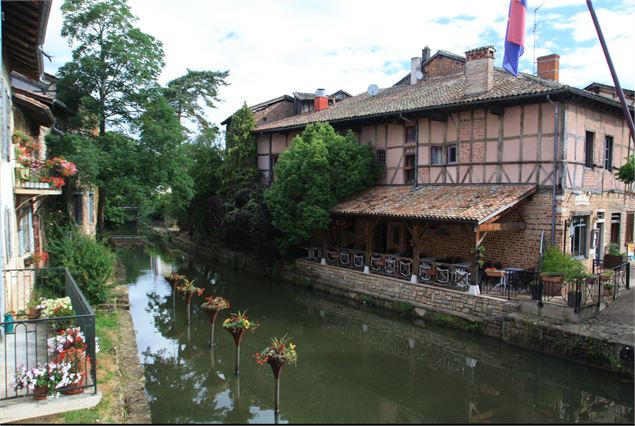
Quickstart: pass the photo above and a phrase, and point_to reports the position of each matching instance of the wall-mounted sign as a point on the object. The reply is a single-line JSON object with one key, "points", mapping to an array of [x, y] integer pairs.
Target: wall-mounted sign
{"points": [[581, 200]]}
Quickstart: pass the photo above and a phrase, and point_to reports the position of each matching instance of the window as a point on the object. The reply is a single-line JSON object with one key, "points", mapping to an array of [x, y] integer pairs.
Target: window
{"points": [[608, 153], [381, 157], [79, 209], [588, 149], [437, 155], [579, 236], [91, 207], [616, 218], [409, 169], [25, 234], [451, 153], [411, 134], [628, 237]]}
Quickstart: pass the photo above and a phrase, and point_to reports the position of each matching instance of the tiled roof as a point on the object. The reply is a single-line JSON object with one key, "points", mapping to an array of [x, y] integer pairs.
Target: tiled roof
{"points": [[475, 203], [428, 94]]}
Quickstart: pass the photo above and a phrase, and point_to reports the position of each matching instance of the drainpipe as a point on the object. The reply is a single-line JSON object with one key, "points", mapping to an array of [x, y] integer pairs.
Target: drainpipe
{"points": [[555, 169], [416, 165], [270, 159]]}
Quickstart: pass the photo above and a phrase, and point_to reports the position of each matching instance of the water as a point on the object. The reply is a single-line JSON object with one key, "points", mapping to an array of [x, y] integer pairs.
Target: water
{"points": [[356, 365]]}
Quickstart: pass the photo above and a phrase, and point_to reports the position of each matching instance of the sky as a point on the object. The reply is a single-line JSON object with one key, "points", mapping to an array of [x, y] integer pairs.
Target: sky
{"points": [[276, 47]]}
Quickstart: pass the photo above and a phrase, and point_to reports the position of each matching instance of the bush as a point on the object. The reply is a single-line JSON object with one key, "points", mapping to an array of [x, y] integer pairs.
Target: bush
{"points": [[614, 250], [91, 263], [557, 263]]}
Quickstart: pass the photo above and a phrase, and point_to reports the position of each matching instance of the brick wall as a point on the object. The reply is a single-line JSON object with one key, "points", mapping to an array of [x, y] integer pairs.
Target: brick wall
{"points": [[442, 66]]}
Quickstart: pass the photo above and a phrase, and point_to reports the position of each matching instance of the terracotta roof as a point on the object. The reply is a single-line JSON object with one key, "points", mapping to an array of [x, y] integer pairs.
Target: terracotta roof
{"points": [[430, 94], [473, 203]]}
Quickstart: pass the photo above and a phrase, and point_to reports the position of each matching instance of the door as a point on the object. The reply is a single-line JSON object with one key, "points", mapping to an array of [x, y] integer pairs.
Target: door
{"points": [[599, 248]]}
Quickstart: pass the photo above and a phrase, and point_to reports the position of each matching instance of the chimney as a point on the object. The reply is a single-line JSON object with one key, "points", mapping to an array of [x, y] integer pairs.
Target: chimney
{"points": [[415, 67], [549, 67], [321, 101], [425, 54], [479, 70]]}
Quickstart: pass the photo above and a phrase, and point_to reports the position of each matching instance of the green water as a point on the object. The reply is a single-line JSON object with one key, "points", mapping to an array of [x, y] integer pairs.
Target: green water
{"points": [[356, 364]]}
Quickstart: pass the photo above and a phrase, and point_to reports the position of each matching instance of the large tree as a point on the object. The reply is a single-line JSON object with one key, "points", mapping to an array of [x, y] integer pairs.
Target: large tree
{"points": [[319, 170], [190, 94], [113, 66]]}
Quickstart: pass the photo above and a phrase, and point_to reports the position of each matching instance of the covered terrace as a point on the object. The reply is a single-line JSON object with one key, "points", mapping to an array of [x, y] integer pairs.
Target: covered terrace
{"points": [[429, 234]]}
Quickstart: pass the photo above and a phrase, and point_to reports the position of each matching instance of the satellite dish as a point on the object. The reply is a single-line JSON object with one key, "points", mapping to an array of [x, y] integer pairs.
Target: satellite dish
{"points": [[419, 75], [373, 89]]}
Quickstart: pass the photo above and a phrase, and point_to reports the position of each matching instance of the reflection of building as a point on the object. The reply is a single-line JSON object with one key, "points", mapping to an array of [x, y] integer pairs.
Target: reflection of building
{"points": [[159, 266], [471, 156]]}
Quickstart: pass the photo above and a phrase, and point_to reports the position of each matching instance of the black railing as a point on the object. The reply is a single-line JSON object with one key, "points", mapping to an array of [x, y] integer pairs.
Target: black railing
{"points": [[25, 340]]}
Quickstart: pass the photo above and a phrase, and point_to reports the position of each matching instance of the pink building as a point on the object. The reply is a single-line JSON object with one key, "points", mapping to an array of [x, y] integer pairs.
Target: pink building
{"points": [[475, 156]]}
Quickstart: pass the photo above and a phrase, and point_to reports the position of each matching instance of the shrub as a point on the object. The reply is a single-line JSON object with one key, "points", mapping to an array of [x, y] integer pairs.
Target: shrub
{"points": [[557, 263], [91, 263]]}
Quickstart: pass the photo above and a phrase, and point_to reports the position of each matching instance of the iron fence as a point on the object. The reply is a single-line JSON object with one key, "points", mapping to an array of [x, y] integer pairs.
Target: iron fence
{"points": [[26, 341]]}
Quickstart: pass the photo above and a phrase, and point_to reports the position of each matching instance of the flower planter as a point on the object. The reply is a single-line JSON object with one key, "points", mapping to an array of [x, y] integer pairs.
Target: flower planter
{"points": [[237, 334], [40, 393], [212, 314], [552, 285], [494, 274], [75, 389], [276, 365], [607, 292], [33, 313], [574, 299]]}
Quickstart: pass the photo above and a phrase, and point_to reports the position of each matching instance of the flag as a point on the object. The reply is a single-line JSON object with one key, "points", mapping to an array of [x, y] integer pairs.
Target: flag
{"points": [[515, 35]]}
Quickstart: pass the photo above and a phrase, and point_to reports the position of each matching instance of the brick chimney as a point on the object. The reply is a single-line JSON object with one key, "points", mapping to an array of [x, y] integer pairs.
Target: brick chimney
{"points": [[321, 101], [479, 70], [549, 67]]}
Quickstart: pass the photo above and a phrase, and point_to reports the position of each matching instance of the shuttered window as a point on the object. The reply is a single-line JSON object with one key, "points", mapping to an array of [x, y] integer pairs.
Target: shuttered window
{"points": [[629, 227]]}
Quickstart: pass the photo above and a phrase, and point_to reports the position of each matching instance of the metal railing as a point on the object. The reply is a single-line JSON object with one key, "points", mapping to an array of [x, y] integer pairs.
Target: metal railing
{"points": [[25, 340]]}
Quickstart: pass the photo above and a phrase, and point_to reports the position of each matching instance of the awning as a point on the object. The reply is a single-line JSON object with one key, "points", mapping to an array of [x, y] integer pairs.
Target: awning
{"points": [[454, 203], [34, 108]]}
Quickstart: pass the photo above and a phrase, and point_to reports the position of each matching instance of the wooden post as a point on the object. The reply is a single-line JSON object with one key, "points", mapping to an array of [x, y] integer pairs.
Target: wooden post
{"points": [[369, 241], [415, 249], [475, 257]]}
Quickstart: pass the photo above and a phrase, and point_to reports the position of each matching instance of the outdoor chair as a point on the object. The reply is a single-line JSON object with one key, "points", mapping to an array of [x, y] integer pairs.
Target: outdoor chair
{"points": [[405, 268], [443, 274], [358, 260], [332, 256], [425, 270], [314, 254], [390, 266], [345, 257], [376, 263]]}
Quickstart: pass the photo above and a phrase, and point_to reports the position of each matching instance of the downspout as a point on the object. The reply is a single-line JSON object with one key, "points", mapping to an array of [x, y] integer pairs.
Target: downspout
{"points": [[416, 164], [555, 168], [270, 159]]}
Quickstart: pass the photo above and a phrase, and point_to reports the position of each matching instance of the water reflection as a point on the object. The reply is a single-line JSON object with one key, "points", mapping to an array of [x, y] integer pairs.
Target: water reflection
{"points": [[355, 366]]}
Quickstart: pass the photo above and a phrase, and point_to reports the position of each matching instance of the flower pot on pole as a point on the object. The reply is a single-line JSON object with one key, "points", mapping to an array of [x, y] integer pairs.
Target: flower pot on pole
{"points": [[213, 305], [280, 351], [236, 325]]}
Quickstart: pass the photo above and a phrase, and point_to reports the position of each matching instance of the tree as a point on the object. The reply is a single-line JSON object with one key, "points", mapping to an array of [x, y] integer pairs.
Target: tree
{"points": [[626, 173], [319, 170], [114, 65], [189, 94]]}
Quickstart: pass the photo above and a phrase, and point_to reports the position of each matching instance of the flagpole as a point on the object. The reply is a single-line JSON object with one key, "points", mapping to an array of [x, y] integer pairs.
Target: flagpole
{"points": [[616, 81]]}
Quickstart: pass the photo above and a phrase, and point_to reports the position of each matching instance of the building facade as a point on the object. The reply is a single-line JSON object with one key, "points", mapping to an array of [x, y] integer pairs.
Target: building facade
{"points": [[475, 157]]}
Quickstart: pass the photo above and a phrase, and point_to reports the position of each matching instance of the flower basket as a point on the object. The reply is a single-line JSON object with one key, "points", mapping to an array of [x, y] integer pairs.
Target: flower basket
{"points": [[213, 305], [33, 312], [277, 354], [237, 324], [276, 366], [173, 278], [237, 334], [40, 393]]}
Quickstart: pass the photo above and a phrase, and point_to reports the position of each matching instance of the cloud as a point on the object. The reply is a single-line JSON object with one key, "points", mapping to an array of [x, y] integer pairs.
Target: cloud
{"points": [[275, 47]]}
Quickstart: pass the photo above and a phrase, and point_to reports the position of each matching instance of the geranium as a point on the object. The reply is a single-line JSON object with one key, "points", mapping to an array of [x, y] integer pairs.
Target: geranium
{"points": [[53, 376], [215, 303], [282, 350], [60, 307], [63, 166], [58, 182], [239, 320], [39, 256], [70, 338]]}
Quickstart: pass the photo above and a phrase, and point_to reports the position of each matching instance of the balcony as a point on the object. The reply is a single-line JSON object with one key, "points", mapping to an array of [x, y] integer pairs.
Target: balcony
{"points": [[29, 342], [33, 181]]}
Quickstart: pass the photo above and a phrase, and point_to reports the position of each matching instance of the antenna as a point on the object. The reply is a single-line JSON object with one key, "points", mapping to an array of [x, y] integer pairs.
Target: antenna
{"points": [[373, 89], [419, 75], [534, 34]]}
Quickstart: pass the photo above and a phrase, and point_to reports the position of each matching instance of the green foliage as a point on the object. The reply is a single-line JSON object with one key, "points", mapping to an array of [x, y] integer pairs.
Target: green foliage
{"points": [[556, 263], [626, 173], [91, 263], [113, 62], [185, 94], [614, 250], [319, 170], [240, 169], [82, 151]]}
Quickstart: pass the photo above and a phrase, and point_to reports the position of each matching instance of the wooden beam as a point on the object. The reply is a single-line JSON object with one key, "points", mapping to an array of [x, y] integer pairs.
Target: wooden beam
{"points": [[504, 226]]}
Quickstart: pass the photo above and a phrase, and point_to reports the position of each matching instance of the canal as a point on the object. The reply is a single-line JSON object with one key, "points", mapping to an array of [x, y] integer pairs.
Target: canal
{"points": [[356, 364]]}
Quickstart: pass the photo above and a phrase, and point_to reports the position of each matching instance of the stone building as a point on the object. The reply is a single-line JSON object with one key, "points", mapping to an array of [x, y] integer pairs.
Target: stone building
{"points": [[474, 156]]}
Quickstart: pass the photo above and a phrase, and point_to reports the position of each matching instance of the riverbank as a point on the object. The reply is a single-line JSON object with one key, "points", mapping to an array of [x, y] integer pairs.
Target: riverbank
{"points": [[594, 342], [120, 376]]}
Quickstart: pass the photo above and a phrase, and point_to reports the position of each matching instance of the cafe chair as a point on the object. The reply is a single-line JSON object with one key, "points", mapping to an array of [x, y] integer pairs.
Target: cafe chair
{"points": [[332, 256], [443, 275], [405, 268], [345, 257], [425, 270], [390, 266], [358, 260], [376, 263]]}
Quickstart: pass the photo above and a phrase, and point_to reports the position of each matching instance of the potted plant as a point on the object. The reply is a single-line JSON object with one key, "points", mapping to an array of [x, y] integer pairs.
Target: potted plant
{"points": [[46, 380], [188, 289], [607, 289], [34, 309], [557, 268], [38, 258], [574, 296], [213, 305], [535, 287], [606, 276], [174, 279], [56, 308], [236, 325], [614, 257]]}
